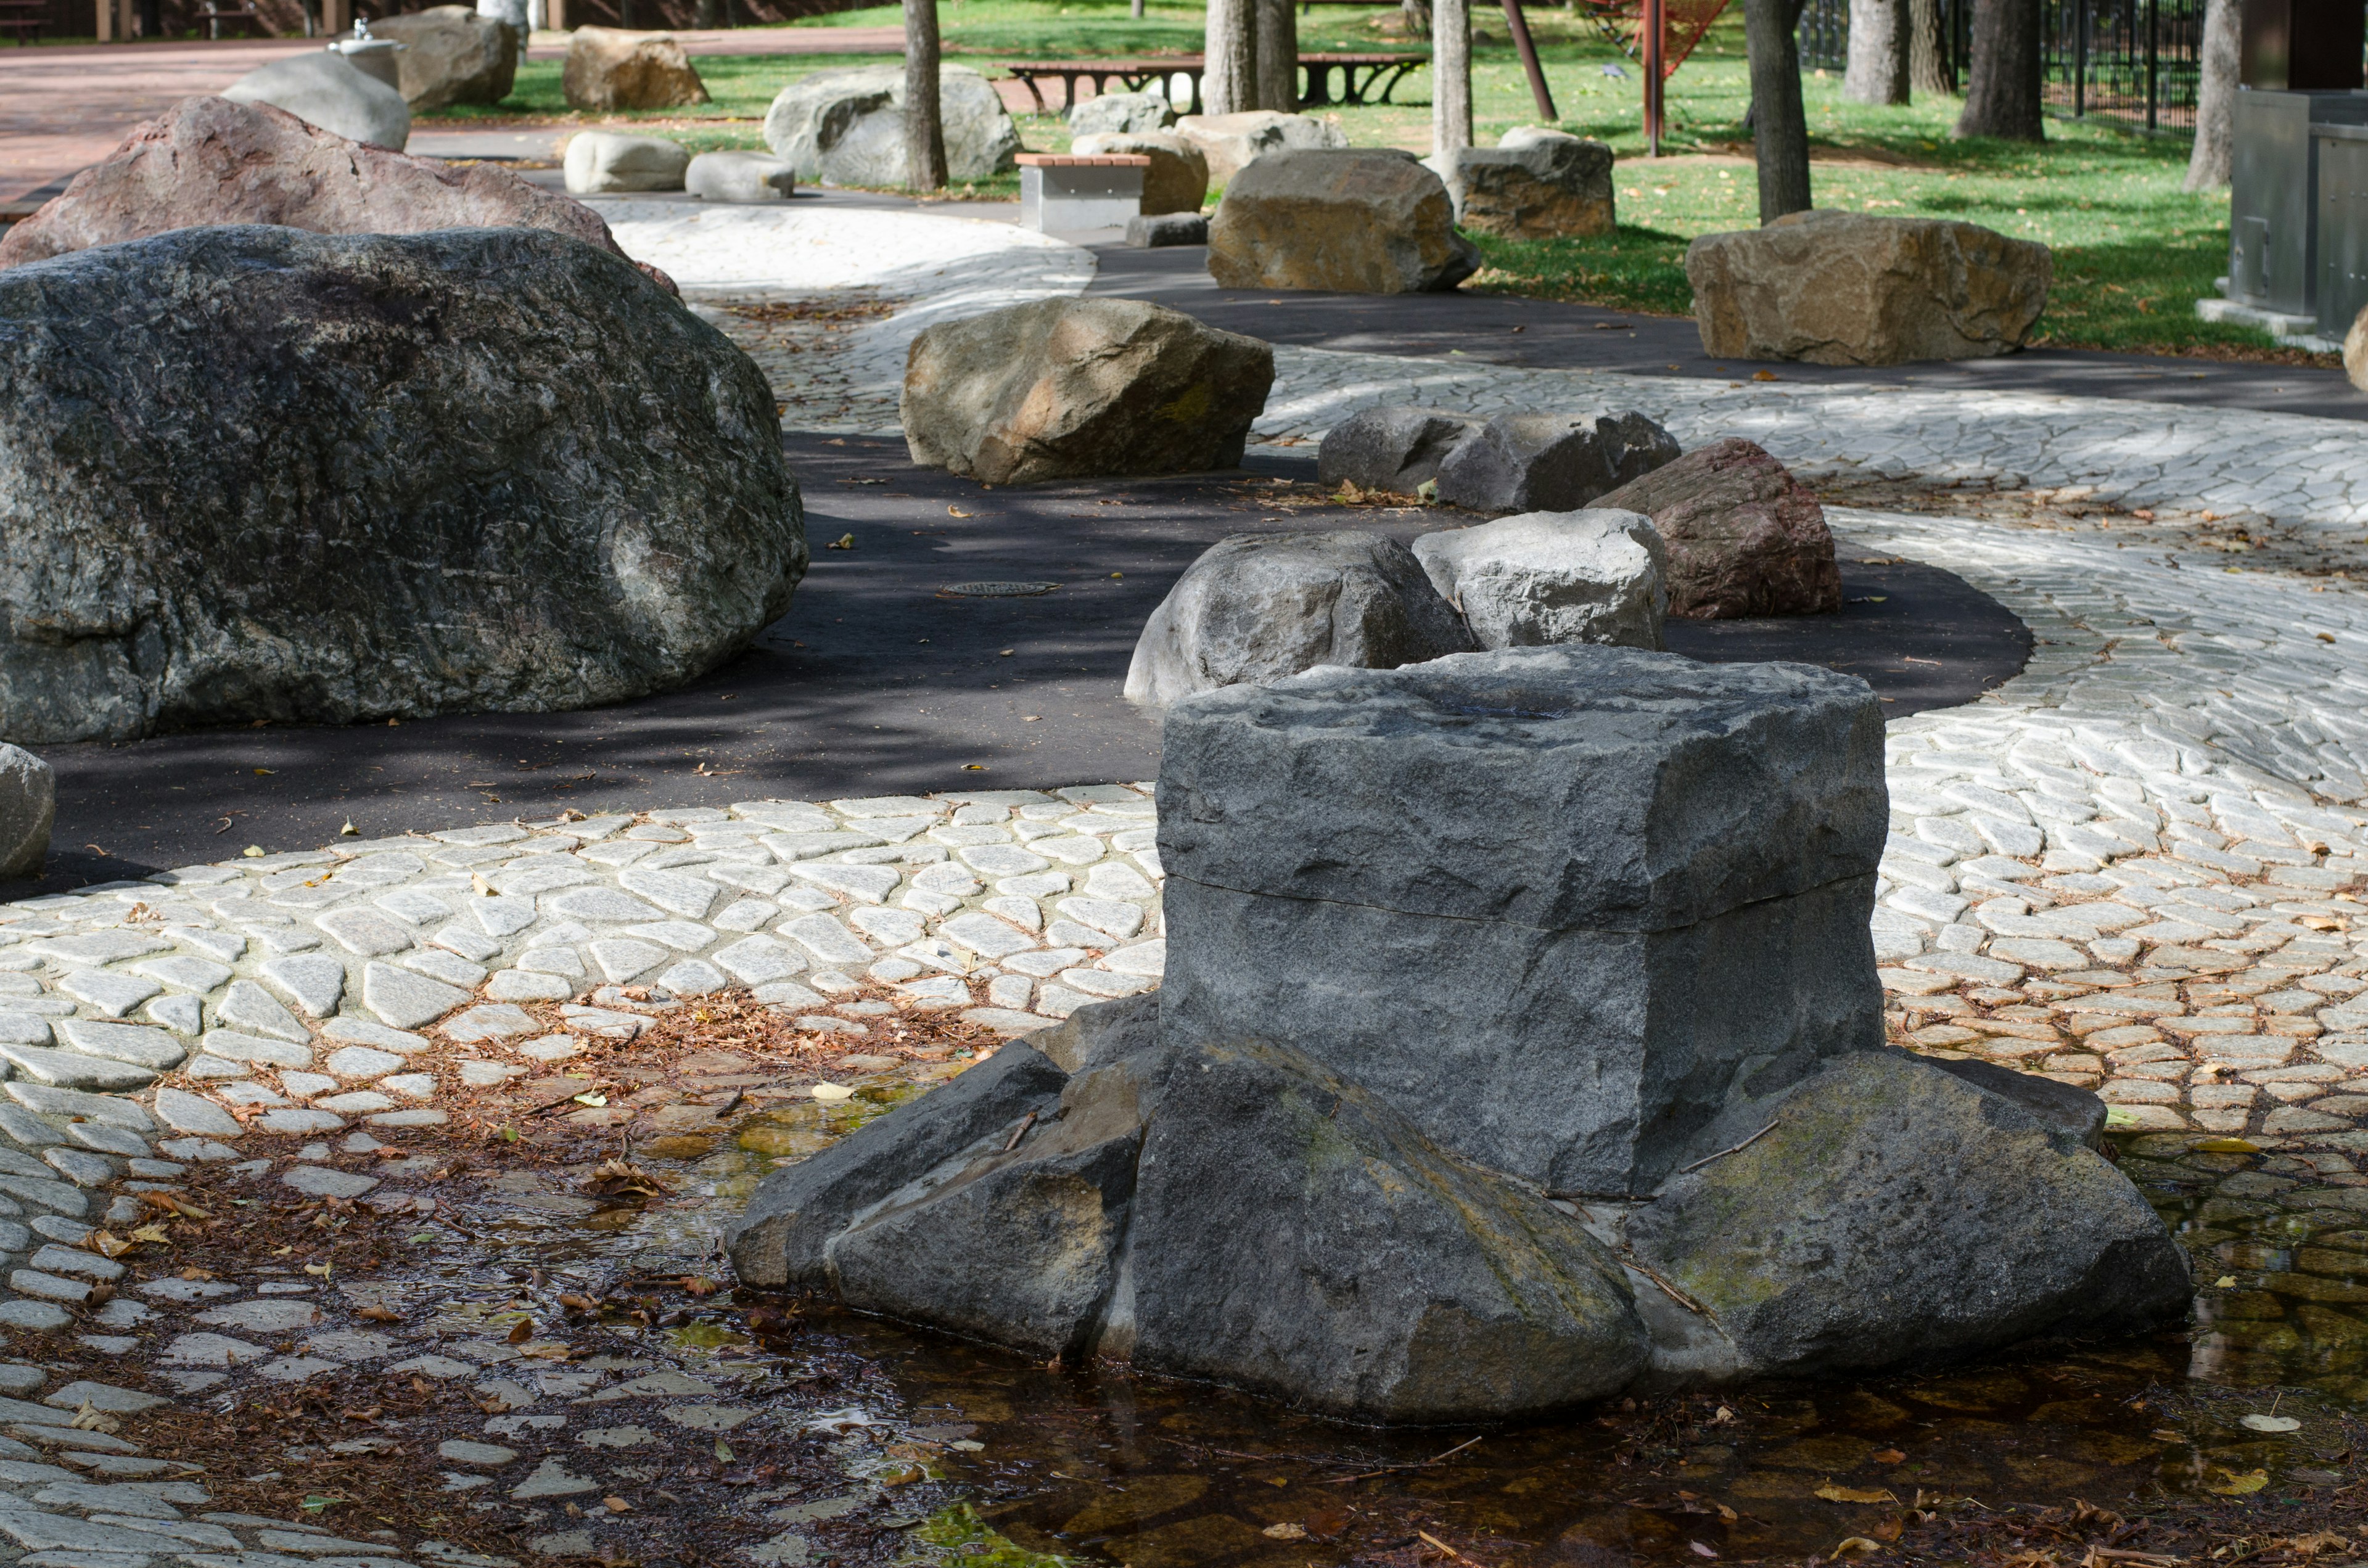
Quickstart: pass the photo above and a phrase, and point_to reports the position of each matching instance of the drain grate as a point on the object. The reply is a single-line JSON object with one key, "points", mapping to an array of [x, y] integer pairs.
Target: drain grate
{"points": [[996, 590]]}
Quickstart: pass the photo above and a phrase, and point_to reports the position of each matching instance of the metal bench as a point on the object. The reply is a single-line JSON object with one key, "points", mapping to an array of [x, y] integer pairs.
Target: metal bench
{"points": [[1364, 78]]}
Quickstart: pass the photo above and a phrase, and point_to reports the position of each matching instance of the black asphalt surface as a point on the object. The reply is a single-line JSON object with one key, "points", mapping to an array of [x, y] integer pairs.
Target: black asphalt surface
{"points": [[877, 682]]}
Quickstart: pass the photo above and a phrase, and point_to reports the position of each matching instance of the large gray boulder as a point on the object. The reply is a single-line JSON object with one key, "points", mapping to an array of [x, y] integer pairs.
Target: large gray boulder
{"points": [[1551, 462], [29, 805], [600, 162], [847, 127], [1126, 114], [1259, 606], [1745, 538], [1617, 885], [321, 87], [252, 473], [1366, 220], [451, 55], [1058, 388], [1546, 577], [739, 178], [1535, 184], [1232, 142], [1395, 449]]}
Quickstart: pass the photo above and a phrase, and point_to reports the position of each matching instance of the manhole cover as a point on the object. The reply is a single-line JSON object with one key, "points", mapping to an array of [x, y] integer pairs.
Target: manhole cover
{"points": [[996, 590]]}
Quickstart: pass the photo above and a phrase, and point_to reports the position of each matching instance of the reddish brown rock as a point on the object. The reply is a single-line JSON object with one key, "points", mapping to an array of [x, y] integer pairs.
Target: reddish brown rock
{"points": [[207, 160], [1745, 536]]}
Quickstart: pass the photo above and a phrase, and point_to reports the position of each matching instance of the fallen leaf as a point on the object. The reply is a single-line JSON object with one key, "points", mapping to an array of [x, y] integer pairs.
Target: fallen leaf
{"points": [[1770, 375], [2167, 1435], [320, 1270], [2231, 1485], [317, 1504], [844, 542], [521, 1332], [2313, 1545], [579, 1303], [379, 1314], [1285, 1532], [2269, 1424], [193, 1271], [1699, 1549], [106, 1246], [590, 1099], [616, 1504], [2226, 1282], [1889, 1455], [1836, 1494], [1856, 1543], [90, 1418], [723, 1450], [151, 1233], [700, 1285], [830, 1094], [956, 512], [2227, 1146]]}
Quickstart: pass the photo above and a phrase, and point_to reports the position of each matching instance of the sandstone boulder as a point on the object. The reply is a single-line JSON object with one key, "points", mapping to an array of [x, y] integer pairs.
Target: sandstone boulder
{"points": [[211, 160], [1233, 141], [1178, 179], [1062, 388], [609, 68], [323, 88], [847, 127], [1547, 577], [1395, 449], [1259, 606], [451, 55], [598, 160], [1534, 185], [739, 176], [2355, 351], [1852, 288], [1126, 114], [29, 805], [1744, 535], [1551, 462], [1362, 221], [217, 502]]}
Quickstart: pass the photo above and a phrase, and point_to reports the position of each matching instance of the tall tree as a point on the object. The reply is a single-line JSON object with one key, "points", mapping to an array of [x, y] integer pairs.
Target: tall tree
{"points": [[1278, 55], [1780, 124], [1451, 76], [1929, 67], [1229, 76], [1880, 31], [2002, 76], [925, 130], [2216, 98]]}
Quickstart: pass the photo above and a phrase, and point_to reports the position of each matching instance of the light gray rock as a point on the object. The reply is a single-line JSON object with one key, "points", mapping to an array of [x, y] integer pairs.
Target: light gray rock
{"points": [[606, 161], [1232, 142], [1366, 221], [1166, 229], [324, 88], [1258, 607], [452, 55], [1551, 462], [739, 176], [186, 1112], [1547, 577], [1396, 448], [1618, 883], [29, 805], [847, 127], [72, 1069], [1125, 113], [1535, 184], [602, 568]]}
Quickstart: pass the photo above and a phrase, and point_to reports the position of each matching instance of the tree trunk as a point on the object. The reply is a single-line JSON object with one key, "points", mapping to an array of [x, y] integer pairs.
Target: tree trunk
{"points": [[1451, 76], [1929, 68], [1780, 124], [2216, 98], [1418, 16], [925, 130], [2002, 73], [1879, 34], [1278, 55], [1229, 80]]}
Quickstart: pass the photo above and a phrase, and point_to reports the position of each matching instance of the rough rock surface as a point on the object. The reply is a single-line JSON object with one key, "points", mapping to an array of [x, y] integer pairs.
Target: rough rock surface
{"points": [[1061, 388], [451, 55], [2064, 1107], [609, 68], [1547, 577], [598, 160], [1897, 1213], [1397, 449], [1551, 462], [1259, 606], [1534, 185], [1166, 229], [1362, 221], [847, 127], [1852, 288], [1178, 179], [29, 804], [1233, 141], [207, 160], [739, 176], [213, 508], [321, 88], [1744, 535], [1619, 884], [2355, 351], [1124, 113]]}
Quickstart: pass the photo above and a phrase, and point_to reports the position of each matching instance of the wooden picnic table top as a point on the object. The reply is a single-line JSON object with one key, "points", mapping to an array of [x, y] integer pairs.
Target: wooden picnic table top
{"points": [[1116, 64]]}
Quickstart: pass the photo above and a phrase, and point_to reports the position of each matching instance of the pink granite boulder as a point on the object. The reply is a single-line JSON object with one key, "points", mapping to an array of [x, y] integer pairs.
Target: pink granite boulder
{"points": [[1745, 536]]}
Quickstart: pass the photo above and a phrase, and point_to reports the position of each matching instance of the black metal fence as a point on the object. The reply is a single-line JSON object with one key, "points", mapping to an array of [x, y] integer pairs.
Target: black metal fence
{"points": [[2127, 59]]}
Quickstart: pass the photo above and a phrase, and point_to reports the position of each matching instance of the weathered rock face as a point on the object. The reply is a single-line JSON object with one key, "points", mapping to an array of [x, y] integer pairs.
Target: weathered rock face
{"points": [[1551, 462], [1894, 1213], [324, 88], [2355, 351], [1062, 388], [1259, 606], [1397, 449], [847, 127], [1178, 179], [1548, 578], [609, 68], [29, 804], [1233, 141], [451, 55], [211, 161], [599, 161], [1618, 884], [739, 176], [213, 507], [1534, 185], [1744, 535], [1851, 288], [1125, 113], [1360, 222]]}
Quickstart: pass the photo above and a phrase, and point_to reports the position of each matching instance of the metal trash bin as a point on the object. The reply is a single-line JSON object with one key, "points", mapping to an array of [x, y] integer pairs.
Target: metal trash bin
{"points": [[2273, 196], [2343, 282]]}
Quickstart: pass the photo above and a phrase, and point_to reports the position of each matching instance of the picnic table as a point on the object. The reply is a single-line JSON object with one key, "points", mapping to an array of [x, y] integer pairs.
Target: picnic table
{"points": [[1364, 78], [24, 18]]}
